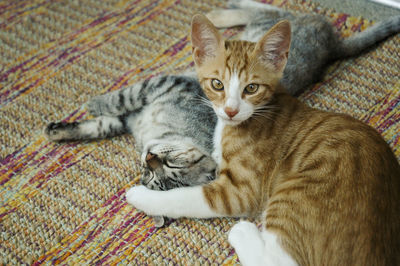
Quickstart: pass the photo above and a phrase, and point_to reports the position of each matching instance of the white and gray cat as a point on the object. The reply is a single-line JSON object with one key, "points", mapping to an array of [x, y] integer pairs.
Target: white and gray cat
{"points": [[174, 134], [171, 129]]}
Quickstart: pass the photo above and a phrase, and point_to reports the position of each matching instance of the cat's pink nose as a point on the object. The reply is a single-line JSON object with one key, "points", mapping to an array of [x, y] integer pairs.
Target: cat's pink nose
{"points": [[231, 112]]}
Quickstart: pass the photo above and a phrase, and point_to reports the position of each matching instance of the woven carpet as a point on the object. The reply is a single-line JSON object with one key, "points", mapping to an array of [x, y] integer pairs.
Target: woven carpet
{"points": [[65, 203]]}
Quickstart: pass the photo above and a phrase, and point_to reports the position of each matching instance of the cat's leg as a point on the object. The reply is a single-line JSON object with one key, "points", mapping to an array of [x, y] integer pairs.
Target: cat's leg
{"points": [[100, 127], [274, 254], [258, 248], [246, 239], [225, 18], [174, 203], [243, 12]]}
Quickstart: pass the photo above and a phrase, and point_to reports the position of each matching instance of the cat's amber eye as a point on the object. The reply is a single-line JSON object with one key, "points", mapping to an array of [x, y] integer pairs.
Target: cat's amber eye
{"points": [[217, 85], [251, 88]]}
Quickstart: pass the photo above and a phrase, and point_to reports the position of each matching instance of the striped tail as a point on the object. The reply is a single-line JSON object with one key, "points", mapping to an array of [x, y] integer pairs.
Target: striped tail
{"points": [[359, 42]]}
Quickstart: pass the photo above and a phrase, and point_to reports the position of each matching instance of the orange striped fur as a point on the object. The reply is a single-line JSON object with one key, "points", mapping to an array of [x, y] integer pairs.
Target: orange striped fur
{"points": [[325, 183]]}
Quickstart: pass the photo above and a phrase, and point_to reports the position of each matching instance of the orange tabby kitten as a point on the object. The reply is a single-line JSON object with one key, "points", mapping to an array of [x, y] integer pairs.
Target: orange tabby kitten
{"points": [[326, 185]]}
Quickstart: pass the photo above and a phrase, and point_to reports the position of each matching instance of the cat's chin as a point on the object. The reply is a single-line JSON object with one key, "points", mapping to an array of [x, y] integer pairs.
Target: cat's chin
{"points": [[231, 122]]}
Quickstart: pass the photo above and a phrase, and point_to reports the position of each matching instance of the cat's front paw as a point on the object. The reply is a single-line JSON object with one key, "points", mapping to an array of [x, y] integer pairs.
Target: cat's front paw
{"points": [[143, 199]]}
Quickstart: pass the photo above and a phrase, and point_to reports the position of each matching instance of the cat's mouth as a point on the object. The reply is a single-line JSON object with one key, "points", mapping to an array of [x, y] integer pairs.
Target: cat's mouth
{"points": [[231, 121]]}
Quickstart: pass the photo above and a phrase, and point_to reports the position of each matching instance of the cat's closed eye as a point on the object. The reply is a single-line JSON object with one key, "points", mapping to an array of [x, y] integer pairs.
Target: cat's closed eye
{"points": [[217, 84]]}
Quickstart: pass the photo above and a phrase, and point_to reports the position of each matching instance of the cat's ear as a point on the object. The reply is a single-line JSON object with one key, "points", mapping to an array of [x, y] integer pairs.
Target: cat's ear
{"points": [[206, 40], [273, 48]]}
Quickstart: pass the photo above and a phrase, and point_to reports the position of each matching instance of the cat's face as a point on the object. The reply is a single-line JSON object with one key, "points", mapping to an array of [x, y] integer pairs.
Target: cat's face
{"points": [[239, 77], [167, 166]]}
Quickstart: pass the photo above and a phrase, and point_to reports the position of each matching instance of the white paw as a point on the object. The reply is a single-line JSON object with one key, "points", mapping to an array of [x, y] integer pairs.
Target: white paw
{"points": [[242, 232], [247, 242], [143, 199]]}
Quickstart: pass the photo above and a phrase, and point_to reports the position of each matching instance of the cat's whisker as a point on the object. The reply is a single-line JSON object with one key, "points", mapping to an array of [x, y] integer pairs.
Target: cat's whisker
{"points": [[266, 115], [269, 118], [266, 111], [205, 103], [266, 107], [203, 100]]}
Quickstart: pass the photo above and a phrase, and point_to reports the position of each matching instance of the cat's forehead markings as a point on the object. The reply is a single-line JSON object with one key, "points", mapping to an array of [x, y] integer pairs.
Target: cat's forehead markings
{"points": [[237, 58], [228, 69], [243, 67]]}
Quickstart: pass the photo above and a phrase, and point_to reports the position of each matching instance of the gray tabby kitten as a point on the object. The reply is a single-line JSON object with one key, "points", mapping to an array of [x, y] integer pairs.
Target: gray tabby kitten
{"points": [[172, 131]]}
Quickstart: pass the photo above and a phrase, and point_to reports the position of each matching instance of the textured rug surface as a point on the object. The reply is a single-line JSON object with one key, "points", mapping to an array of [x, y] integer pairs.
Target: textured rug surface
{"points": [[65, 203]]}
